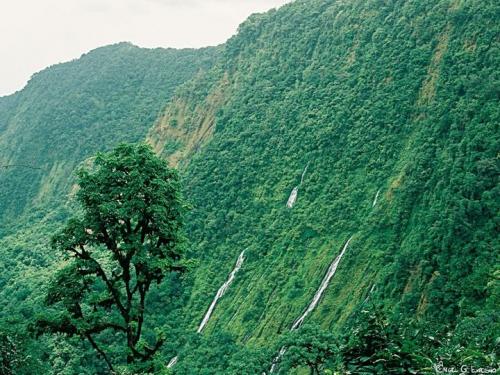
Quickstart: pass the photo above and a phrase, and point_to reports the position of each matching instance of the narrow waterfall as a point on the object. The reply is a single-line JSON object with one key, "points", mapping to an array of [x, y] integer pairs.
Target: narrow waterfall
{"points": [[219, 294], [293, 195], [304, 173], [369, 293], [324, 284], [376, 198], [276, 359], [221, 291], [326, 280], [172, 362]]}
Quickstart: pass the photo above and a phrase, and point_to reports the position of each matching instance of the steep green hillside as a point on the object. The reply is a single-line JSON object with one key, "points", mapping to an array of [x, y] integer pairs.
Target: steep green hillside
{"points": [[394, 99], [63, 116], [69, 111], [381, 114]]}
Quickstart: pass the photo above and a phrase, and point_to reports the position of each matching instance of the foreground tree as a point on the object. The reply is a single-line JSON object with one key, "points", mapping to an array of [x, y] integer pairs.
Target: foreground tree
{"points": [[127, 237], [373, 345], [308, 346]]}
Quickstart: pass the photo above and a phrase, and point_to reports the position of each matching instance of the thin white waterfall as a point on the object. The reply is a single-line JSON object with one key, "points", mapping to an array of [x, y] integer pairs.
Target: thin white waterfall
{"points": [[326, 280], [276, 360], [219, 294], [369, 293], [304, 173], [172, 362], [376, 198], [324, 284], [293, 195], [221, 291]]}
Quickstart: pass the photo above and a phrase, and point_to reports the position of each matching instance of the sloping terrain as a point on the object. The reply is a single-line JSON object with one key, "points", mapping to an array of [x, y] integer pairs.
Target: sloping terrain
{"points": [[393, 105], [63, 116], [381, 116], [70, 111]]}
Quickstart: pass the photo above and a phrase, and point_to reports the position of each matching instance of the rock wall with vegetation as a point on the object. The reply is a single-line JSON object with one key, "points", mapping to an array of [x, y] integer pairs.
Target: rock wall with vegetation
{"points": [[393, 105]]}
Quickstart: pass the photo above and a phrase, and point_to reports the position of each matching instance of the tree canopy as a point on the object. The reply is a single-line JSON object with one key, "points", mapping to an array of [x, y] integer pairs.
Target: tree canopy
{"points": [[127, 236]]}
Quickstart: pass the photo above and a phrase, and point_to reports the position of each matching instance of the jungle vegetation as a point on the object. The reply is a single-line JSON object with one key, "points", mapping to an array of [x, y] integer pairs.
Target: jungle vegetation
{"points": [[393, 107]]}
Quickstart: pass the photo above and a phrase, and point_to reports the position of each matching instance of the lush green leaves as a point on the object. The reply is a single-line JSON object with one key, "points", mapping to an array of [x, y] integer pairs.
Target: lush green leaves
{"points": [[128, 235], [390, 99]]}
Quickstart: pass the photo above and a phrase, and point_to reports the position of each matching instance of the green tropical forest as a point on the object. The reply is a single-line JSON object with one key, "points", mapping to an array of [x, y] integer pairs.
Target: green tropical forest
{"points": [[318, 195]]}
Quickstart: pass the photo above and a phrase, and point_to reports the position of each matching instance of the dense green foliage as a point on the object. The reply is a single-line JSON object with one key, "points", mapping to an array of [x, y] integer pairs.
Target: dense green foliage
{"points": [[310, 347], [393, 106], [391, 98], [63, 116], [127, 239], [69, 111]]}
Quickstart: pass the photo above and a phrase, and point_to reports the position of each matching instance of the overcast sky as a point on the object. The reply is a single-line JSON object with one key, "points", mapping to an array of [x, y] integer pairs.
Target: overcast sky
{"points": [[37, 33]]}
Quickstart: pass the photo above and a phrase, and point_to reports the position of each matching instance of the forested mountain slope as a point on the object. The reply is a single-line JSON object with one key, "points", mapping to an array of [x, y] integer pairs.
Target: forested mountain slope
{"points": [[64, 115], [393, 106], [69, 111], [381, 115]]}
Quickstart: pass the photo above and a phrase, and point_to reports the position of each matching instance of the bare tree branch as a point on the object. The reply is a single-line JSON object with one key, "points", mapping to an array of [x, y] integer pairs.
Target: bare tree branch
{"points": [[7, 166]]}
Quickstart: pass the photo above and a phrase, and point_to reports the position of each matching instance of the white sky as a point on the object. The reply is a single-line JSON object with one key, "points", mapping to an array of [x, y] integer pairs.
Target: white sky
{"points": [[37, 33]]}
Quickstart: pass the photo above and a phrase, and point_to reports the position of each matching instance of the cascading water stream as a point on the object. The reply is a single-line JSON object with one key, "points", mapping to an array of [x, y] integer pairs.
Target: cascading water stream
{"points": [[324, 284], [369, 293], [293, 195], [221, 291], [326, 280], [304, 173], [172, 362], [219, 294], [376, 198]]}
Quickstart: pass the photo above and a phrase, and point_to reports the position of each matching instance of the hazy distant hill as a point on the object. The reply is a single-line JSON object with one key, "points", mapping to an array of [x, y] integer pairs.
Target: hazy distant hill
{"points": [[69, 111]]}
